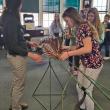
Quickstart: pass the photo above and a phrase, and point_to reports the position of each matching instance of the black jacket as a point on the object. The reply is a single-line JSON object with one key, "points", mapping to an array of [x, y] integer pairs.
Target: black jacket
{"points": [[13, 35]]}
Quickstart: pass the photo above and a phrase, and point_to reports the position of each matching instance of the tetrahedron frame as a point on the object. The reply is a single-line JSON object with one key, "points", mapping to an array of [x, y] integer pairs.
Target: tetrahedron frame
{"points": [[50, 94]]}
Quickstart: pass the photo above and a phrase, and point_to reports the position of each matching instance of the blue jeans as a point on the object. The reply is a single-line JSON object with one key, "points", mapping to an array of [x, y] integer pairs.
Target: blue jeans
{"points": [[106, 47]]}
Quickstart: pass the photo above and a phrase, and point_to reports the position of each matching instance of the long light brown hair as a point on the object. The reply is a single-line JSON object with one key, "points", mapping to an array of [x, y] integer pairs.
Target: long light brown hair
{"points": [[73, 14], [96, 22]]}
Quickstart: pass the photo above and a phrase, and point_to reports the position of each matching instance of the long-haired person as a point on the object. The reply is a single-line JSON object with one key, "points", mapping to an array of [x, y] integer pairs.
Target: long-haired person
{"points": [[94, 19], [87, 47], [55, 28], [17, 51], [70, 40]]}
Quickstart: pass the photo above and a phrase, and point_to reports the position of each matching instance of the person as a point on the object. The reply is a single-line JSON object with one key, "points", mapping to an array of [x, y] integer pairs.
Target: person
{"points": [[16, 51], [94, 19], [1, 37], [83, 12], [55, 28], [87, 47], [1, 41], [70, 39], [106, 42]]}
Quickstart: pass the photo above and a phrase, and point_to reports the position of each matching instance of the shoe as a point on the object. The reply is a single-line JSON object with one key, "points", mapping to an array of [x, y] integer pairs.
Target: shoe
{"points": [[0, 48], [106, 58], [82, 109], [23, 106], [71, 70], [20, 108], [74, 71]]}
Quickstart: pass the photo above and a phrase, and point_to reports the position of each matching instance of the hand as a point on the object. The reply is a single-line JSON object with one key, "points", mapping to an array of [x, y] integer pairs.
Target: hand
{"points": [[68, 33], [32, 44], [51, 54], [64, 56], [107, 30], [35, 57], [64, 47]]}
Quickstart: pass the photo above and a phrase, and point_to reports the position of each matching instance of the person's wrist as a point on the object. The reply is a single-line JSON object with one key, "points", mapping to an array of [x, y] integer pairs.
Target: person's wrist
{"points": [[68, 53], [29, 54], [70, 48]]}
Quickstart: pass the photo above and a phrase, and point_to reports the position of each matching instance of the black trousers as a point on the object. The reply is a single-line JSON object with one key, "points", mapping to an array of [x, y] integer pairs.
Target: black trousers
{"points": [[70, 59], [1, 41]]}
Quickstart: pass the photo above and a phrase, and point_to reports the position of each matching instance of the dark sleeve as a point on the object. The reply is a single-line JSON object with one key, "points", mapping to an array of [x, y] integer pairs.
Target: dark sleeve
{"points": [[11, 31], [108, 26]]}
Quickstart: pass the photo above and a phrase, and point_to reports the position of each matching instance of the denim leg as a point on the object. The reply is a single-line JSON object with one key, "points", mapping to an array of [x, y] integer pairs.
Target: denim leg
{"points": [[107, 50]]}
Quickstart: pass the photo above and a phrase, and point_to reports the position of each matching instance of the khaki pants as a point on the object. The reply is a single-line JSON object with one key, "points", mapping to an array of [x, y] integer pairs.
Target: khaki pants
{"points": [[18, 65], [93, 73]]}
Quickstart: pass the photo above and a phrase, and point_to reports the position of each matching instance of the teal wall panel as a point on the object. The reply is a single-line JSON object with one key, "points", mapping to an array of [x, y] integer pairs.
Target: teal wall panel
{"points": [[72, 3], [30, 6], [1, 2]]}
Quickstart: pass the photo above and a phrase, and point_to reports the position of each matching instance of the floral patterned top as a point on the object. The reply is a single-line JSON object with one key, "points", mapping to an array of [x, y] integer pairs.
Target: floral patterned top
{"points": [[94, 59]]}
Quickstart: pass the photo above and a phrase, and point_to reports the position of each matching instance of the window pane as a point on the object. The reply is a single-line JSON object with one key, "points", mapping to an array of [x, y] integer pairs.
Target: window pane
{"points": [[100, 4], [51, 6], [47, 19]]}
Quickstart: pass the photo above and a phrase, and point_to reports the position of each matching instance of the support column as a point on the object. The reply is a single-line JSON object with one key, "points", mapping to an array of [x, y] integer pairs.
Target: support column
{"points": [[108, 6], [40, 15], [3, 3], [61, 10], [81, 5]]}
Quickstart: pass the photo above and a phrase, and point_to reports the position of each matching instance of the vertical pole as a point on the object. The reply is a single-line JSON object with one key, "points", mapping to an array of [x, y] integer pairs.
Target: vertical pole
{"points": [[61, 10], [40, 15]]}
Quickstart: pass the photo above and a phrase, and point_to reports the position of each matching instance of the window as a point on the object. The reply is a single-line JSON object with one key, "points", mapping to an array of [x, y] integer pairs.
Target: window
{"points": [[101, 5], [47, 19], [49, 8], [1, 6]]}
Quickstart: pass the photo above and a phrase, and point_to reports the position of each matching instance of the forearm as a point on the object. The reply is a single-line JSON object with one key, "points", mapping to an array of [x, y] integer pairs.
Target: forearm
{"points": [[80, 51], [73, 48], [107, 30]]}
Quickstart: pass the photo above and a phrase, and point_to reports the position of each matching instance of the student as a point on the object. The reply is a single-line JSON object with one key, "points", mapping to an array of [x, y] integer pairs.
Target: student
{"points": [[17, 51], [106, 43], [87, 47], [70, 40], [83, 12], [1, 36], [55, 28], [94, 19]]}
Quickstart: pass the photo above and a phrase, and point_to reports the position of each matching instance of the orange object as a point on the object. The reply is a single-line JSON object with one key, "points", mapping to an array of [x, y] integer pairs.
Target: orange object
{"points": [[35, 57]]}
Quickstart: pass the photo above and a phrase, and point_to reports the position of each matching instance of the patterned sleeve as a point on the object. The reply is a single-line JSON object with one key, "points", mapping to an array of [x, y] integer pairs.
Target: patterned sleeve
{"points": [[85, 31]]}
